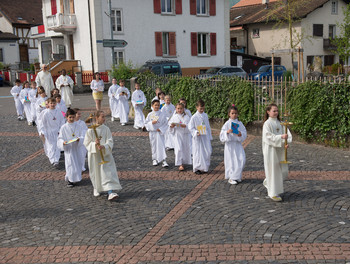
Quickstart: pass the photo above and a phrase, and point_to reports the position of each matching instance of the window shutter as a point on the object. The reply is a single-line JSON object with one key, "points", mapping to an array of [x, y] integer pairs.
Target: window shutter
{"points": [[53, 7], [213, 44], [212, 7], [159, 47], [193, 10], [178, 7], [172, 43], [156, 6], [194, 51]]}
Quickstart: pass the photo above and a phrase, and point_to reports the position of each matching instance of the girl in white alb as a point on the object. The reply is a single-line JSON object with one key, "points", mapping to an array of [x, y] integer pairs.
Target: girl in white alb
{"points": [[138, 100], [113, 101], [24, 97]]}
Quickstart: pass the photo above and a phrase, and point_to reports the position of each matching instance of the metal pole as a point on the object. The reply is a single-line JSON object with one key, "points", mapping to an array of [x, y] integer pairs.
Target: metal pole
{"points": [[111, 21]]}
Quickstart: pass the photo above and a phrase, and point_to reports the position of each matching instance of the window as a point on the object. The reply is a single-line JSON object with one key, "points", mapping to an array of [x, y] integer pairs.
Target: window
{"points": [[318, 30], [117, 21], [328, 60], [119, 57], [202, 43], [165, 43], [309, 60], [202, 7], [167, 7], [332, 31], [334, 7], [256, 33], [1, 55]]}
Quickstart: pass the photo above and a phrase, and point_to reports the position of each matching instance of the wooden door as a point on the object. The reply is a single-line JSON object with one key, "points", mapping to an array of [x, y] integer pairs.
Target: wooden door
{"points": [[23, 53]]}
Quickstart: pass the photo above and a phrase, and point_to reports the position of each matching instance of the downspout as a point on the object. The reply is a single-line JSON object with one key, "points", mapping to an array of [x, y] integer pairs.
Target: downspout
{"points": [[247, 39], [92, 51]]}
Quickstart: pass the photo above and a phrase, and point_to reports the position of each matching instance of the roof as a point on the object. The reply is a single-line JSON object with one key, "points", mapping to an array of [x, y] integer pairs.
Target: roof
{"points": [[6, 36], [253, 11], [23, 12]]}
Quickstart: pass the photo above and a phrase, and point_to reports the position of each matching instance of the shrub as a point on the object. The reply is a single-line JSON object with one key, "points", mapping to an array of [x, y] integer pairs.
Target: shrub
{"points": [[123, 71]]}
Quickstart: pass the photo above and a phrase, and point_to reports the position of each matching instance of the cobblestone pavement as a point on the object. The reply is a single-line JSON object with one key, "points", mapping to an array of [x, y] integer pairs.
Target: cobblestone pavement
{"points": [[166, 216]]}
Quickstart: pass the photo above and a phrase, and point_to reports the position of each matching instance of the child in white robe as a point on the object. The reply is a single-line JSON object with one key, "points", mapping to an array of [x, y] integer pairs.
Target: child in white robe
{"points": [[84, 127], [138, 100], [178, 128], [161, 98], [156, 124], [201, 136], [60, 104], [273, 145], [40, 106], [184, 102], [113, 101], [15, 91], [234, 155], [24, 97], [104, 177], [70, 139], [52, 120], [56, 91], [123, 96], [168, 110], [33, 96]]}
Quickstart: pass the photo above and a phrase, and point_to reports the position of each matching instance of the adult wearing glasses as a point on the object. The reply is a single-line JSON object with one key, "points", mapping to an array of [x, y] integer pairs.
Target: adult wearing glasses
{"points": [[44, 79]]}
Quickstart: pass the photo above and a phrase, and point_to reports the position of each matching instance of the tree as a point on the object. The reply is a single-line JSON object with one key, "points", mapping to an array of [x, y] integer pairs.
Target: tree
{"points": [[286, 12], [341, 41]]}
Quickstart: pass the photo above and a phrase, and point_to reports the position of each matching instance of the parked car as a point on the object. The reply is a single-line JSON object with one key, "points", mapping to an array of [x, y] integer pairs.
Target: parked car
{"points": [[224, 71], [162, 67], [265, 72]]}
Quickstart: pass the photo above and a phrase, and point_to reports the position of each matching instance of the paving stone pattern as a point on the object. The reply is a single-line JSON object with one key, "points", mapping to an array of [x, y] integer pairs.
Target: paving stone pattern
{"points": [[166, 216]]}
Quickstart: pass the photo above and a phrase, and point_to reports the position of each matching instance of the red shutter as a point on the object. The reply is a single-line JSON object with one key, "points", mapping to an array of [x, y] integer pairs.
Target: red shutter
{"points": [[212, 7], [213, 44], [156, 6], [194, 50], [178, 7], [159, 47], [53, 7], [172, 43], [193, 10]]}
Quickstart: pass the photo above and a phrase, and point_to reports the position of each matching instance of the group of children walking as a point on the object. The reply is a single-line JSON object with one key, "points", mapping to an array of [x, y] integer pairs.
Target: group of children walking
{"points": [[169, 127]]}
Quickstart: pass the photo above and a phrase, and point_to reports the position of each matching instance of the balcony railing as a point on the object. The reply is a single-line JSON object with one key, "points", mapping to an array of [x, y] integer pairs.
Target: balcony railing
{"points": [[327, 45], [62, 22]]}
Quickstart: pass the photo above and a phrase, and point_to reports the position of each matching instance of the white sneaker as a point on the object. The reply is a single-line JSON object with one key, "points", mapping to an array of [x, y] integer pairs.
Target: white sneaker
{"points": [[21, 118], [113, 196], [112, 118], [123, 124], [96, 193], [155, 163], [230, 181], [136, 127], [29, 123], [165, 165]]}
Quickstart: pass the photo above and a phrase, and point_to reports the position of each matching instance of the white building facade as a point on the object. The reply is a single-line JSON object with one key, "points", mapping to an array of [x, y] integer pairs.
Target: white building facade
{"points": [[193, 32]]}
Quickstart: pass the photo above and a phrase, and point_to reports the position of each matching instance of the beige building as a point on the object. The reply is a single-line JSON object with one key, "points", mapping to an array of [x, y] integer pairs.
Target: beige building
{"points": [[253, 34]]}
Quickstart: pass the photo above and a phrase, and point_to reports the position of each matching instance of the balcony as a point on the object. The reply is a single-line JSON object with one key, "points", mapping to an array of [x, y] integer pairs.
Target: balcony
{"points": [[63, 23], [327, 45]]}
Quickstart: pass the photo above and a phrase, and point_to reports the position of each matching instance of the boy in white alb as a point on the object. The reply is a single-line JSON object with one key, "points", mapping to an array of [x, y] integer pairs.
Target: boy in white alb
{"points": [[123, 96], [113, 101], [24, 97], [201, 136], [168, 109], [156, 124], [138, 100], [70, 139], [33, 96], [40, 107], [15, 91]]}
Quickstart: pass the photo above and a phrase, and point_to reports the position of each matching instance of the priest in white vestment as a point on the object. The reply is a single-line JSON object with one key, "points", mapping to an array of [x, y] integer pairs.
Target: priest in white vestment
{"points": [[65, 84], [44, 79]]}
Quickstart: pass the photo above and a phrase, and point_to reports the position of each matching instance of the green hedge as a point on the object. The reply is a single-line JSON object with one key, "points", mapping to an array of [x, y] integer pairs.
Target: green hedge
{"points": [[321, 112], [217, 94]]}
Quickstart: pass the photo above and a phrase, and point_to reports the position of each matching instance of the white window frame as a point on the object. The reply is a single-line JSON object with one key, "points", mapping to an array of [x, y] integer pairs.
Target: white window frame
{"points": [[117, 56], [202, 3], [114, 16], [165, 4], [200, 44], [256, 33], [334, 6]]}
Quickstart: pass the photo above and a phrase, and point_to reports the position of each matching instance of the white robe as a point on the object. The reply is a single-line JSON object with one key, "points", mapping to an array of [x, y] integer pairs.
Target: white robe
{"points": [[44, 79], [273, 150], [73, 159], [15, 91], [33, 98], [123, 104], [234, 155], [82, 148], [157, 138], [138, 96], [113, 101], [52, 120], [40, 108], [66, 90], [168, 110], [201, 145], [24, 97], [62, 107], [182, 141], [103, 177]]}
